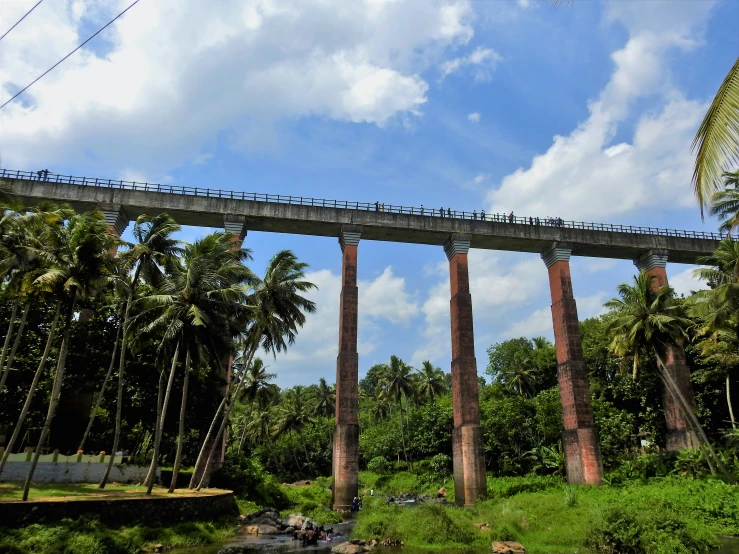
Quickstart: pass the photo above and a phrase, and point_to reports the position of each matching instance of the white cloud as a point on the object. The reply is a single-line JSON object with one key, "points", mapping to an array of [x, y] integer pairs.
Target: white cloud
{"points": [[383, 302], [538, 324], [174, 74], [599, 264], [523, 3], [481, 61], [498, 286], [583, 175], [685, 283], [474, 117]]}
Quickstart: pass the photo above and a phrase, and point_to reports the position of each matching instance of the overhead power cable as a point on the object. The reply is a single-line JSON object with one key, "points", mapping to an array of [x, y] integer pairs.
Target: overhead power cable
{"points": [[21, 19], [72, 52]]}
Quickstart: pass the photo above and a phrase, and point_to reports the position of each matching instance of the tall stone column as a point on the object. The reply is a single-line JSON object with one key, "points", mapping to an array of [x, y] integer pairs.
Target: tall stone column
{"points": [[679, 433], [469, 458], [580, 438], [346, 435]]}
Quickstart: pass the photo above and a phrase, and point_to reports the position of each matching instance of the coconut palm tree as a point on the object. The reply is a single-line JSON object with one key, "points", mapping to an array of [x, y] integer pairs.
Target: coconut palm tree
{"points": [[293, 416], [197, 308], [717, 141], [646, 324], [275, 310], [257, 388], [725, 203], [521, 376], [397, 384], [324, 397], [430, 382], [78, 264], [154, 250]]}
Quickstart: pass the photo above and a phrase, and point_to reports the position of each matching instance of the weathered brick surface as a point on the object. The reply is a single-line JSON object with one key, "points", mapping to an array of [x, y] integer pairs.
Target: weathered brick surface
{"points": [[679, 434], [580, 439], [346, 436], [468, 456]]}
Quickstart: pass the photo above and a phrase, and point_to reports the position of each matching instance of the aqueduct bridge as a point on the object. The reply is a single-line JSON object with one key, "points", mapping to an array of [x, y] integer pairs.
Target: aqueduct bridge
{"points": [[238, 212]]}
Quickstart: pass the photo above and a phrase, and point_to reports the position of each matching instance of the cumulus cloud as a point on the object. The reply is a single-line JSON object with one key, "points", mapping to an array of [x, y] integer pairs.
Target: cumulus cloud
{"points": [[584, 175], [168, 77], [474, 117], [384, 301], [685, 282], [481, 62], [498, 285]]}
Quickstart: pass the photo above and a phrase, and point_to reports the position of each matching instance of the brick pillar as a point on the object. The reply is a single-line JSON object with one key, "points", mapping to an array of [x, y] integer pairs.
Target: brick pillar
{"points": [[679, 433], [346, 436], [469, 459], [115, 218], [580, 438]]}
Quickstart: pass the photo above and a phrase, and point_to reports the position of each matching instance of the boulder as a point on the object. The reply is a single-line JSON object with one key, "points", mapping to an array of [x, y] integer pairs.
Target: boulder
{"points": [[268, 530], [251, 529], [289, 530], [349, 548], [296, 520], [508, 547], [271, 515], [442, 491], [483, 526]]}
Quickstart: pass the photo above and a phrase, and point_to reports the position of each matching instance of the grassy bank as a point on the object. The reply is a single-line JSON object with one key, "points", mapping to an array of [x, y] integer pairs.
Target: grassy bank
{"points": [[661, 516], [89, 536]]}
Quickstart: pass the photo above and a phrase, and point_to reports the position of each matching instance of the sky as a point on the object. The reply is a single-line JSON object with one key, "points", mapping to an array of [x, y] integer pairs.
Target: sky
{"points": [[584, 111]]}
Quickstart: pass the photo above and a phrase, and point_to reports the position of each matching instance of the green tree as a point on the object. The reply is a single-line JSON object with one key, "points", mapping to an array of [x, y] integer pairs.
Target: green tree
{"points": [[430, 383], [725, 203], [196, 310], [154, 250], [648, 323], [325, 399], [717, 141], [79, 262], [398, 384]]}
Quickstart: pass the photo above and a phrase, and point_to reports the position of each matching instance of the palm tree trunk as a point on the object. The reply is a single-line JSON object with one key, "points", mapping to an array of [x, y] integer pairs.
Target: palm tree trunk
{"points": [[102, 391], [16, 342], [32, 389], [213, 425], [55, 393], [402, 436], [157, 442], [292, 447], [728, 401], [221, 429], [8, 335], [181, 432], [690, 416], [119, 401], [160, 396], [243, 436]]}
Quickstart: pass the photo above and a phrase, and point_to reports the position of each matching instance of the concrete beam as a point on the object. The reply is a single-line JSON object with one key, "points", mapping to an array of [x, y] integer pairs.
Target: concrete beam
{"points": [[384, 226]]}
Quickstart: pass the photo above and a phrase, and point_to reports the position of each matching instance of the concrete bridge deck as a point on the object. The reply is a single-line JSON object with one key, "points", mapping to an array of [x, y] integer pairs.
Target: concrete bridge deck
{"points": [[309, 216]]}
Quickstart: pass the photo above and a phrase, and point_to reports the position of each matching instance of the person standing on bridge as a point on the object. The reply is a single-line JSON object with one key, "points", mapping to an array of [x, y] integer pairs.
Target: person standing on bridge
{"points": [[531, 220], [510, 217], [377, 206], [441, 212], [474, 214], [537, 221], [482, 215], [449, 212], [421, 209]]}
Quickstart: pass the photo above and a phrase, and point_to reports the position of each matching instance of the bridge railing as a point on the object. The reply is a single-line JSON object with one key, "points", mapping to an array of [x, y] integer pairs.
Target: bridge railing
{"points": [[349, 205]]}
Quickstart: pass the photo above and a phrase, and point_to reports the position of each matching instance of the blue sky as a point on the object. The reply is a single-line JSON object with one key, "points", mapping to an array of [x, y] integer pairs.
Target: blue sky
{"points": [[586, 112]]}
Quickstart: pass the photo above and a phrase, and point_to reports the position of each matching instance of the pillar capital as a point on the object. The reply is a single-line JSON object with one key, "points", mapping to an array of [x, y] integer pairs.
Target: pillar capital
{"points": [[651, 259], [349, 236], [115, 217], [457, 243], [236, 225], [559, 252]]}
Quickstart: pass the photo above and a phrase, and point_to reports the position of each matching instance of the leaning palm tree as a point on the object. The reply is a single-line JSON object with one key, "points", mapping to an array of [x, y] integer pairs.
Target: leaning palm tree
{"points": [[722, 347], [647, 323], [154, 250], [197, 309], [276, 309], [430, 382], [717, 141], [79, 264]]}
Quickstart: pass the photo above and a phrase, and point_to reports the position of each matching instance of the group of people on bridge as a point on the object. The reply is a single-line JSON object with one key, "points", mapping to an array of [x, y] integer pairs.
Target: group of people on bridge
{"points": [[500, 217]]}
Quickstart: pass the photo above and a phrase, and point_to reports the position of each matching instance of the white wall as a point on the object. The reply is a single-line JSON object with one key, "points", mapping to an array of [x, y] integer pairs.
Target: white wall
{"points": [[62, 472]]}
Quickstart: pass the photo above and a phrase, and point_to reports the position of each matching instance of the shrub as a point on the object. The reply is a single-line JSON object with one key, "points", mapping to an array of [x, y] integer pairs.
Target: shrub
{"points": [[249, 481], [378, 464], [655, 527], [505, 487], [571, 496], [441, 464]]}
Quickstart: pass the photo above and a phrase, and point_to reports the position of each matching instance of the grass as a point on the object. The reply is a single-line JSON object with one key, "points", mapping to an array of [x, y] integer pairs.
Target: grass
{"points": [[640, 517], [14, 491], [89, 536]]}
